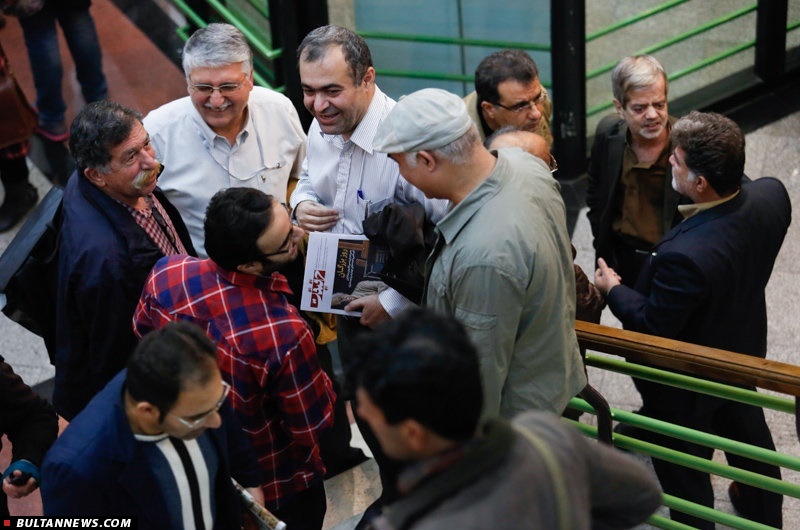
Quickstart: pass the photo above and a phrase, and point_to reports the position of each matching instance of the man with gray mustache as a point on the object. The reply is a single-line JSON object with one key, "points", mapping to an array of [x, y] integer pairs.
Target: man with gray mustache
{"points": [[227, 132], [115, 225]]}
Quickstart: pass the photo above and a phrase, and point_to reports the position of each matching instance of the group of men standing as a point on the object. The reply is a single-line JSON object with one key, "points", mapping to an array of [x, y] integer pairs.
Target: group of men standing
{"points": [[184, 221]]}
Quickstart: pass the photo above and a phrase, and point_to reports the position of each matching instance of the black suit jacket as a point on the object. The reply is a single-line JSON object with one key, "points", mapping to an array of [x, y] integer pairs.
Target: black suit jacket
{"points": [[605, 171], [704, 282]]}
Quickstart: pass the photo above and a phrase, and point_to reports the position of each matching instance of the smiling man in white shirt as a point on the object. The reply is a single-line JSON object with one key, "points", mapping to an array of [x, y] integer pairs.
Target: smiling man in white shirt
{"points": [[227, 132]]}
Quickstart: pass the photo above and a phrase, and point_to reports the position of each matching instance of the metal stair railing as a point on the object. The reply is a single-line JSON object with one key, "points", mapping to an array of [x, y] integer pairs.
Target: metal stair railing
{"points": [[684, 366]]}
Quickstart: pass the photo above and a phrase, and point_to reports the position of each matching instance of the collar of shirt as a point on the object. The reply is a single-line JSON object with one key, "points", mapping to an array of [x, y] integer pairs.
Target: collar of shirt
{"points": [[274, 282], [365, 131], [458, 216], [689, 210]]}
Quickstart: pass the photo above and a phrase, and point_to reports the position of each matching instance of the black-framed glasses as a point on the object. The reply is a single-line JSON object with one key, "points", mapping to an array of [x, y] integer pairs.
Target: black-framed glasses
{"points": [[285, 246], [195, 421], [524, 105], [224, 88]]}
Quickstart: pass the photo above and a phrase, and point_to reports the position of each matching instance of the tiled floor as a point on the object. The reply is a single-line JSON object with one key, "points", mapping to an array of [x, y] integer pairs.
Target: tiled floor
{"points": [[771, 150]]}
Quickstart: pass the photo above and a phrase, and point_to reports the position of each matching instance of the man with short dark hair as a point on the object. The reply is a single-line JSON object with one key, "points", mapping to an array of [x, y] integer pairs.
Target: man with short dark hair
{"points": [[265, 349], [159, 443], [419, 387], [116, 225], [704, 284], [508, 92]]}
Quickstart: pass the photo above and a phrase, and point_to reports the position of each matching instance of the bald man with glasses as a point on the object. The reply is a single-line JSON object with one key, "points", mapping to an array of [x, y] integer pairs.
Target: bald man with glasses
{"points": [[265, 349]]}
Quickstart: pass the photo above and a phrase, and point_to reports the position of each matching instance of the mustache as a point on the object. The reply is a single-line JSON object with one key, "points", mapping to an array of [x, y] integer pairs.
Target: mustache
{"points": [[144, 177], [224, 106]]}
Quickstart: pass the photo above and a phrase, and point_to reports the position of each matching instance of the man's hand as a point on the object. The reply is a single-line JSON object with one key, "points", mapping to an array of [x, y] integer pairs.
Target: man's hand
{"points": [[605, 278], [372, 312], [314, 217], [257, 493], [16, 492]]}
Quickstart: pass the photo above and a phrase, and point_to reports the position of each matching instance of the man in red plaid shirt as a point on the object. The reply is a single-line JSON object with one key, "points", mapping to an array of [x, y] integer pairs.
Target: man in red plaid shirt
{"points": [[266, 351]]}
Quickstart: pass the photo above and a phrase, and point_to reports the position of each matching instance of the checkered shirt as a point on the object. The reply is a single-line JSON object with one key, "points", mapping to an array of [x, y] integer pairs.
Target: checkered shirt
{"points": [[266, 352]]}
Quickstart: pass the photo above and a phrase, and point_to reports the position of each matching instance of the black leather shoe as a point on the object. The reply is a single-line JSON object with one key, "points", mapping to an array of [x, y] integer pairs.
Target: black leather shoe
{"points": [[20, 198]]}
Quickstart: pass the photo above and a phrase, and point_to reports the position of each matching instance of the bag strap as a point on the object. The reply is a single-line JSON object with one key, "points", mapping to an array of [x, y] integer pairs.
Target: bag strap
{"points": [[556, 476]]}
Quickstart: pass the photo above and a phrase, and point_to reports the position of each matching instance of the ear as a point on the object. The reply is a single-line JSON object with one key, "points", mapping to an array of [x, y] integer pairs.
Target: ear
{"points": [[488, 110], [618, 106], [369, 76], [95, 177], [416, 436], [427, 159], [701, 184], [146, 416]]}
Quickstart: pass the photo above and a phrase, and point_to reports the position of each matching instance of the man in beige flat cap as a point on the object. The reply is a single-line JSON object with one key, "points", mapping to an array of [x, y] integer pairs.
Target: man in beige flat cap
{"points": [[503, 262]]}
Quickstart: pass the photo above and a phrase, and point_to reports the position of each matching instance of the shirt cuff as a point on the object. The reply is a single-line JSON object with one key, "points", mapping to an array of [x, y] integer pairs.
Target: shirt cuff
{"points": [[393, 302]]}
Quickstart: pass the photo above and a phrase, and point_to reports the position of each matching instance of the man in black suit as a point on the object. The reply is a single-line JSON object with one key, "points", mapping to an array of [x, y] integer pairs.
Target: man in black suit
{"points": [[631, 203], [704, 283]]}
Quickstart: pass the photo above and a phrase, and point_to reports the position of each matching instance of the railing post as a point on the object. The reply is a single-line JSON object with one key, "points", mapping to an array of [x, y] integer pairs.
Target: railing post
{"points": [[770, 56], [567, 28], [290, 21]]}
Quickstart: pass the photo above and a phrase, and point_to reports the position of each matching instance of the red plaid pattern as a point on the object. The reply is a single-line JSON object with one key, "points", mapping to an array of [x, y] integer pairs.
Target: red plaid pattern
{"points": [[149, 223], [267, 354]]}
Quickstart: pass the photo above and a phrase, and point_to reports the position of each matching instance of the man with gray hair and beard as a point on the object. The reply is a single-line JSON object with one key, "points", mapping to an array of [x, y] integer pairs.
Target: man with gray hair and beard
{"points": [[116, 224]]}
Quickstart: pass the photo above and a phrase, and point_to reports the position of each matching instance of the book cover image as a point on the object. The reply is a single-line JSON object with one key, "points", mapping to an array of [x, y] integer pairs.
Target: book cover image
{"points": [[339, 269]]}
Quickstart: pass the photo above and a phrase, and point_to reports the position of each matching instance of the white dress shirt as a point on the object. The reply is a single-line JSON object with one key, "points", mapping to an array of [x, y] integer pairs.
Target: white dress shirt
{"points": [[198, 162], [349, 176]]}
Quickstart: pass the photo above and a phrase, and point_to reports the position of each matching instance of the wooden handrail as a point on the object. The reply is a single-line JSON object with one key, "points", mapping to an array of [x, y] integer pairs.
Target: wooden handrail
{"points": [[702, 361]]}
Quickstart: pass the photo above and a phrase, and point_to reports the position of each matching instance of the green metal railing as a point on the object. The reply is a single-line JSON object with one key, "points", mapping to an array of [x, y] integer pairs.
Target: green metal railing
{"points": [[264, 54], [745, 370]]}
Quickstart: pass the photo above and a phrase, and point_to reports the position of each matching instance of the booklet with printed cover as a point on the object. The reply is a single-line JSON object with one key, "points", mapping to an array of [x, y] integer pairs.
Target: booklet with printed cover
{"points": [[339, 269]]}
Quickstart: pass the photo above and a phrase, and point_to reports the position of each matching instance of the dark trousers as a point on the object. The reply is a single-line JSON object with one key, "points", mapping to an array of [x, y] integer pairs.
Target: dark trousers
{"points": [[737, 421], [334, 443], [306, 511]]}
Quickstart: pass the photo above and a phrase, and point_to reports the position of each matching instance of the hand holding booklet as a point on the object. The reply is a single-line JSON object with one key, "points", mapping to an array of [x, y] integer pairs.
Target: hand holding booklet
{"points": [[339, 269]]}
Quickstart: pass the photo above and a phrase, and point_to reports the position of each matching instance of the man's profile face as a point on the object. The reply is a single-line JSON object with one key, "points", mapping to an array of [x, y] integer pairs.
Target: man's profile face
{"points": [[519, 105], [196, 409], [646, 113], [331, 96], [682, 176], [223, 109], [278, 242], [133, 170]]}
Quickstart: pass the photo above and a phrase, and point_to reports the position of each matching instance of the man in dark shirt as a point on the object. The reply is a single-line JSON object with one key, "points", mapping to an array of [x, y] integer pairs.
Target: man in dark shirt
{"points": [[631, 203]]}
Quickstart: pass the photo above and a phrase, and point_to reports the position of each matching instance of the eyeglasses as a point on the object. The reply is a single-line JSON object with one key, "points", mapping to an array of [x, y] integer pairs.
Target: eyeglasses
{"points": [[195, 421], [225, 88], [284, 248], [524, 105], [553, 164]]}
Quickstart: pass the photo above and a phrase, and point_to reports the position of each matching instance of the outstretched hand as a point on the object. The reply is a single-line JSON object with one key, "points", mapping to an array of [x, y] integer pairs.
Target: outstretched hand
{"points": [[605, 278]]}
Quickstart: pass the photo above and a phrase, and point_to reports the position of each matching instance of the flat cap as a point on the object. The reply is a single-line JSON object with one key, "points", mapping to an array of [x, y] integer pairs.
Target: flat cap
{"points": [[423, 120]]}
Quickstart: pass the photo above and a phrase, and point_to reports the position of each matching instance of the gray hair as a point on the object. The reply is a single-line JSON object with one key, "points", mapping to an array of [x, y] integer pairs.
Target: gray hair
{"points": [[214, 46], [636, 72], [457, 152], [356, 52]]}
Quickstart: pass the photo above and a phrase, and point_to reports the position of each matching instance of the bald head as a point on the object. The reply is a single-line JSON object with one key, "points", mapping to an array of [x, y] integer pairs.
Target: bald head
{"points": [[528, 141]]}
